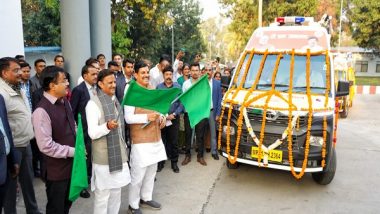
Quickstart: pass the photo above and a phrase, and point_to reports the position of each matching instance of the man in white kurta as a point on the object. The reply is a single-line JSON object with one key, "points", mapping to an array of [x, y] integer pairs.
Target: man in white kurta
{"points": [[147, 148], [106, 183]]}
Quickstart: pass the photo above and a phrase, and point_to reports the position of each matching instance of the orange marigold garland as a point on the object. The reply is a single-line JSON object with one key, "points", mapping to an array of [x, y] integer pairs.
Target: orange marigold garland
{"points": [[309, 121], [290, 134], [262, 131], [328, 86], [226, 99]]}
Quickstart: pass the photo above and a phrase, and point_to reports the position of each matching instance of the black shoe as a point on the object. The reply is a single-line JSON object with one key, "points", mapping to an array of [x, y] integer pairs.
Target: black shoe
{"points": [[175, 167], [215, 156], [134, 211], [160, 166], [37, 174], [84, 194], [208, 150], [151, 204]]}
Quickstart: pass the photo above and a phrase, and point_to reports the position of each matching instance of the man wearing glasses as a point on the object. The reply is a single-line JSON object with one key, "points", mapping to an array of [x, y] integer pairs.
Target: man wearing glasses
{"points": [[19, 117], [54, 128]]}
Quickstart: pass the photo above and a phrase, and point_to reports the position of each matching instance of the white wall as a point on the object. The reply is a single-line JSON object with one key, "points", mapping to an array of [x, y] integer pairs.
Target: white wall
{"points": [[11, 36]]}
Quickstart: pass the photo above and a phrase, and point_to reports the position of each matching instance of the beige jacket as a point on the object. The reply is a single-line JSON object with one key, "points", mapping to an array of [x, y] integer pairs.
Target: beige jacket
{"points": [[19, 116]]}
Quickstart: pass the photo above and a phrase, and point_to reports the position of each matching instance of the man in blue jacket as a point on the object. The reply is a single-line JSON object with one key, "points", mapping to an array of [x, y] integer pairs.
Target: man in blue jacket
{"points": [[170, 132], [9, 160], [216, 93]]}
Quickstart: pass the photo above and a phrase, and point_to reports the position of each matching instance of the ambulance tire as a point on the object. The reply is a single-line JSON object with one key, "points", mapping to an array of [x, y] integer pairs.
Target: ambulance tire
{"points": [[327, 175], [344, 113], [230, 165]]}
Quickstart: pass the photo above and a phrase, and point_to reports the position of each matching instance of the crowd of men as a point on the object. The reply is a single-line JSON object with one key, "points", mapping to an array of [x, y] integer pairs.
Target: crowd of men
{"points": [[124, 144]]}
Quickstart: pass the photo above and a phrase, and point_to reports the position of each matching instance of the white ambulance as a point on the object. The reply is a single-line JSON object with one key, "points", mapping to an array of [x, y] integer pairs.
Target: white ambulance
{"points": [[279, 111]]}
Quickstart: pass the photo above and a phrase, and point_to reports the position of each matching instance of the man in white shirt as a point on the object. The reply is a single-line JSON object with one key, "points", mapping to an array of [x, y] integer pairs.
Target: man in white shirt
{"points": [[90, 62], [200, 128], [110, 170], [156, 75], [147, 148], [178, 64]]}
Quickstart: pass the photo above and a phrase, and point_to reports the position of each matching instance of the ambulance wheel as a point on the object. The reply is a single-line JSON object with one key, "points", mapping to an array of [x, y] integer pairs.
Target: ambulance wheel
{"points": [[344, 113], [230, 165], [327, 175]]}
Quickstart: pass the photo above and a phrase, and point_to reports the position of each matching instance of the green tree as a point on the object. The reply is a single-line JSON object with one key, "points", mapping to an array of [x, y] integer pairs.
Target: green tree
{"points": [[214, 32], [365, 22], [41, 22], [142, 29], [185, 18]]}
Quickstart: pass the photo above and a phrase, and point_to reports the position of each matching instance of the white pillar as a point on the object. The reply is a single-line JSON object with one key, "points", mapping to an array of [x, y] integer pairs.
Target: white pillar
{"points": [[11, 36], [75, 36], [100, 19]]}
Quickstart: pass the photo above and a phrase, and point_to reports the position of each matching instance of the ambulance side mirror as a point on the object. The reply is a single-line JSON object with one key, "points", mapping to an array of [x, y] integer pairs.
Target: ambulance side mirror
{"points": [[343, 88]]}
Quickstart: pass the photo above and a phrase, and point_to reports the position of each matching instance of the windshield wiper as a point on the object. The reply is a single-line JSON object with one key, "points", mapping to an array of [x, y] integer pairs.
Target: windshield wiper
{"points": [[300, 88], [312, 87], [270, 85]]}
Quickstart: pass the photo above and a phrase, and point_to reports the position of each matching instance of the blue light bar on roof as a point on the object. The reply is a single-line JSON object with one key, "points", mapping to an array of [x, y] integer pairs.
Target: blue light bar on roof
{"points": [[299, 19]]}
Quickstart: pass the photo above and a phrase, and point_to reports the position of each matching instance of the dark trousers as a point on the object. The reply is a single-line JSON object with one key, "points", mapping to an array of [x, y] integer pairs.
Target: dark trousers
{"points": [[89, 159], [57, 193], [200, 132], [188, 133], [25, 179], [169, 136], [37, 157], [3, 191]]}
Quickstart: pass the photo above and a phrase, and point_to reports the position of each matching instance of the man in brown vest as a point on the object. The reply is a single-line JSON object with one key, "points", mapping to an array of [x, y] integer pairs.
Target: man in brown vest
{"points": [[147, 148], [110, 170], [54, 128]]}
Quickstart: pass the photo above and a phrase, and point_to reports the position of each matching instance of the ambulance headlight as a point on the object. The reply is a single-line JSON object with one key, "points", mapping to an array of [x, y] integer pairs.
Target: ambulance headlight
{"points": [[316, 141], [232, 130]]}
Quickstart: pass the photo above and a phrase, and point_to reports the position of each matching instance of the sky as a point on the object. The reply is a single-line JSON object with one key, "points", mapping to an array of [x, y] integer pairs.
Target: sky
{"points": [[211, 8]]}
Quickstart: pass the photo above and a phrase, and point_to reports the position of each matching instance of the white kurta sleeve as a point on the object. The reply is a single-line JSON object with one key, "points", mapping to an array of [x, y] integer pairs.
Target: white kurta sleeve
{"points": [[132, 118], [93, 113]]}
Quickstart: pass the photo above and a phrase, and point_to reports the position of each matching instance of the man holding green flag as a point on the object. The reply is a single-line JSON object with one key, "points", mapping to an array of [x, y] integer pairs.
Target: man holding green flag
{"points": [[147, 148], [110, 171], [157, 100], [197, 100]]}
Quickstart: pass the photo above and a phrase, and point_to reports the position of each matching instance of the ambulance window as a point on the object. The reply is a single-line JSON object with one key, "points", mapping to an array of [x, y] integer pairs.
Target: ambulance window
{"points": [[317, 74], [266, 74], [253, 69], [242, 69], [283, 73]]}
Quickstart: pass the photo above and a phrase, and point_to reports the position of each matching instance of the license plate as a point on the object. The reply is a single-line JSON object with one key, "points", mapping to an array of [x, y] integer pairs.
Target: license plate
{"points": [[274, 155]]}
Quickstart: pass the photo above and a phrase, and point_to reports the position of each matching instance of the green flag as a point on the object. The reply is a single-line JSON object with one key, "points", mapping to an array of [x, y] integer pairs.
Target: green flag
{"points": [[157, 100], [79, 172], [197, 101]]}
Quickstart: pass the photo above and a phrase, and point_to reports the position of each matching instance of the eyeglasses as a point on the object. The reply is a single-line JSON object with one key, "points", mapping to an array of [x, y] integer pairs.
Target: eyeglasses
{"points": [[16, 70], [65, 81]]}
